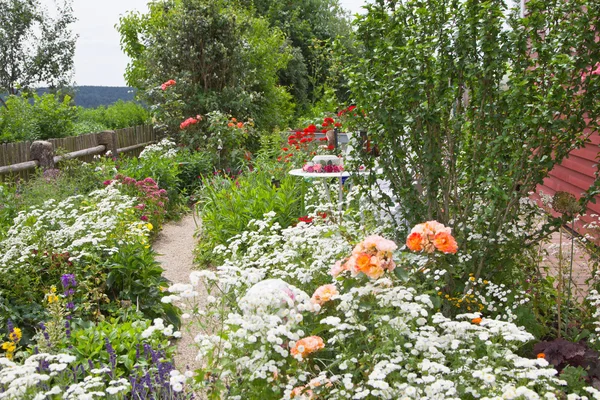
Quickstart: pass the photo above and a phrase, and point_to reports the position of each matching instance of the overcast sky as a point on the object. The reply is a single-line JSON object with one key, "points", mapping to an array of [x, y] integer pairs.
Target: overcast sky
{"points": [[98, 57]]}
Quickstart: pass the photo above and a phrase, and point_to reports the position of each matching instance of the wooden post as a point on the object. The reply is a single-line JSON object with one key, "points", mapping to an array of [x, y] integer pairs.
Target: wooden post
{"points": [[108, 139], [43, 152]]}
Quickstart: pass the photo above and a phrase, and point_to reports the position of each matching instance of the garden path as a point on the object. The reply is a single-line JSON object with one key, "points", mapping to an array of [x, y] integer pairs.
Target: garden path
{"points": [[175, 245]]}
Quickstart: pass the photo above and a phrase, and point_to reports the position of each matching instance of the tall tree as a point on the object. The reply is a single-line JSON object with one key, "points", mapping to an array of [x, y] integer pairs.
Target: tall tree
{"points": [[222, 57], [35, 48], [310, 26]]}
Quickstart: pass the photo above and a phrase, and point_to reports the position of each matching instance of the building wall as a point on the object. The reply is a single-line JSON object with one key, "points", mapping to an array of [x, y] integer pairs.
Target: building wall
{"points": [[575, 175]]}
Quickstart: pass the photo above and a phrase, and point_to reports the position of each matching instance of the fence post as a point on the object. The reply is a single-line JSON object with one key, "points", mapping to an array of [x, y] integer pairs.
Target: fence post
{"points": [[108, 139], [42, 152]]}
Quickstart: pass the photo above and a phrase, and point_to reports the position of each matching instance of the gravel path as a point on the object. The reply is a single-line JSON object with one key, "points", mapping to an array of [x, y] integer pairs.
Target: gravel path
{"points": [[175, 245]]}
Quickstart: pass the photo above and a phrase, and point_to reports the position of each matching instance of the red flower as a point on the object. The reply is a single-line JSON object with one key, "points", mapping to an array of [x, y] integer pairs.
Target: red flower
{"points": [[337, 124], [285, 149], [167, 84], [323, 215], [330, 147], [311, 128], [305, 219], [323, 139], [351, 108], [323, 130], [324, 124], [329, 121]]}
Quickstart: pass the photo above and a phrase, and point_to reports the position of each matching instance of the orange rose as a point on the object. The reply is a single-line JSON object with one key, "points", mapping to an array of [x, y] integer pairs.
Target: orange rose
{"points": [[373, 271], [231, 125], [307, 346], [363, 260], [415, 241], [445, 243], [240, 125]]}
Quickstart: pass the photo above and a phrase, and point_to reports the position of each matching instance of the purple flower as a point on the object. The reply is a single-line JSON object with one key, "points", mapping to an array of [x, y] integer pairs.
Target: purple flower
{"points": [[68, 329], [68, 280], [112, 356], [70, 305], [45, 333]]}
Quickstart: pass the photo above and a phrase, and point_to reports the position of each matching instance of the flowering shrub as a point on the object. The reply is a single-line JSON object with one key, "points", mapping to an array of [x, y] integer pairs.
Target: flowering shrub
{"points": [[77, 236], [45, 375], [225, 138], [367, 334]]}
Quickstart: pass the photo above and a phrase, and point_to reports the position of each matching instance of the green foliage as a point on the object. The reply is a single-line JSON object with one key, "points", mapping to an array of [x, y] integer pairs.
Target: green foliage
{"points": [[118, 115], [47, 117], [311, 27], [134, 275], [470, 105], [222, 138], [230, 62], [89, 343], [34, 47], [193, 166], [227, 205], [51, 116]]}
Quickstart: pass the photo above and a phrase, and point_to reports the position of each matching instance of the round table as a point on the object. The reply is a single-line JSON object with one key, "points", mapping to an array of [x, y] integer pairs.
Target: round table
{"points": [[325, 176]]}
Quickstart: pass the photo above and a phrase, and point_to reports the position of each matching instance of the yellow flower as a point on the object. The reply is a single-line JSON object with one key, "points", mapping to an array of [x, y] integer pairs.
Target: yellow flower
{"points": [[53, 289], [485, 282], [10, 348], [149, 226], [52, 298], [472, 279], [15, 335]]}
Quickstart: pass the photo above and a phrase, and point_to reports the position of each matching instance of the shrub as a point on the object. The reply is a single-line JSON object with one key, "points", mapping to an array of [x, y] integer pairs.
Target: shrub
{"points": [[470, 106], [115, 116], [47, 117], [227, 205]]}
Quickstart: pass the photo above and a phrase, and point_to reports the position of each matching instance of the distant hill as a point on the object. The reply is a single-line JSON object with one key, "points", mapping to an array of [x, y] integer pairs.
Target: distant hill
{"points": [[94, 96]]}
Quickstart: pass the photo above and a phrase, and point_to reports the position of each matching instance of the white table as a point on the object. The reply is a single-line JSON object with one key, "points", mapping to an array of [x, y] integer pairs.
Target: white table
{"points": [[328, 175]]}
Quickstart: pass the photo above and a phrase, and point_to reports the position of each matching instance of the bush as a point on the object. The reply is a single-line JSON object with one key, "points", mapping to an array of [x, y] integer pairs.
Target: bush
{"points": [[116, 116], [46, 118], [226, 205], [467, 122]]}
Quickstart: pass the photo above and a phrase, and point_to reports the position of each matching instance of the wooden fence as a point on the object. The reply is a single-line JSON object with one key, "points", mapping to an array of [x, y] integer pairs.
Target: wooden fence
{"points": [[129, 141]]}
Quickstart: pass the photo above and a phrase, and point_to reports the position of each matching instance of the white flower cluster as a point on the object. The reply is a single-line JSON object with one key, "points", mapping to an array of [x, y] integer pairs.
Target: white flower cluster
{"points": [[166, 148], [79, 225], [27, 380], [413, 353], [271, 315], [381, 339], [158, 325]]}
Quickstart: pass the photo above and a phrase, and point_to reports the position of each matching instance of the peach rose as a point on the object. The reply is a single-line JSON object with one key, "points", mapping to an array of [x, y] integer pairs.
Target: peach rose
{"points": [[323, 294], [337, 269], [415, 241], [379, 243], [307, 346], [373, 271], [445, 243]]}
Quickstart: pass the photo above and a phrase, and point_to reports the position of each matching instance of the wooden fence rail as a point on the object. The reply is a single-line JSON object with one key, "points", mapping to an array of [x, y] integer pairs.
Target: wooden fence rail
{"points": [[18, 159]]}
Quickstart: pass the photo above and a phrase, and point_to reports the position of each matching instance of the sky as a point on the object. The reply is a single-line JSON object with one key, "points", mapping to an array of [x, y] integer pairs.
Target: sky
{"points": [[98, 56]]}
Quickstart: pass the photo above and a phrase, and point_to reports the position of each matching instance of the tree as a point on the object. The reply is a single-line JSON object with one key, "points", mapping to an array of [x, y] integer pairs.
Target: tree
{"points": [[471, 105], [34, 47], [311, 27], [222, 57]]}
